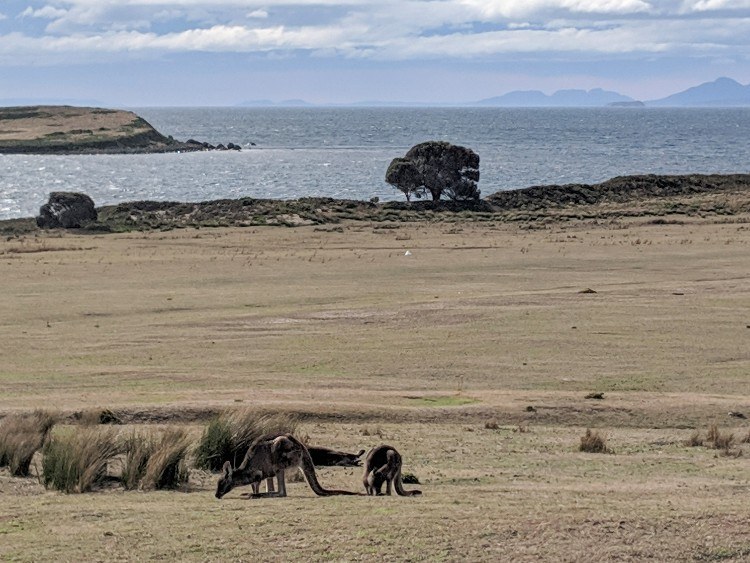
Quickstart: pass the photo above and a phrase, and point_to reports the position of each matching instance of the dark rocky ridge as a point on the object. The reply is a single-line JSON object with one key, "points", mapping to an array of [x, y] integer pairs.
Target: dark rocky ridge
{"points": [[626, 196]]}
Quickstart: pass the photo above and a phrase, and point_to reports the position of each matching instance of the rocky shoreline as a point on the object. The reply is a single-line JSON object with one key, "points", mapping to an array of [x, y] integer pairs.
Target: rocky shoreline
{"points": [[626, 196]]}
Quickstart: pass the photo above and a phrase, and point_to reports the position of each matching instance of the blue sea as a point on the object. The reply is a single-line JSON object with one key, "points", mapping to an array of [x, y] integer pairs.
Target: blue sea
{"points": [[344, 152]]}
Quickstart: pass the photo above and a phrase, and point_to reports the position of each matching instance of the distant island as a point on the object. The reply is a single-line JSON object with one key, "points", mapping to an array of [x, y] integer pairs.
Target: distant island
{"points": [[81, 130], [722, 92]]}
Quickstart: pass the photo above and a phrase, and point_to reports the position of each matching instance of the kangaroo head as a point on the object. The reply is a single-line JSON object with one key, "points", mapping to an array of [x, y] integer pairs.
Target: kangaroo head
{"points": [[225, 483]]}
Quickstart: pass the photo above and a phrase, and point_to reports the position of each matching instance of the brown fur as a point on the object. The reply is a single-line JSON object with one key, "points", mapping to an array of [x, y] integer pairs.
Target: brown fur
{"points": [[326, 456], [383, 465], [268, 458]]}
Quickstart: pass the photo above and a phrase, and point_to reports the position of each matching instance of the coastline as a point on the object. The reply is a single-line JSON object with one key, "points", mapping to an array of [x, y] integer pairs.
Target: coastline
{"points": [[624, 196]]}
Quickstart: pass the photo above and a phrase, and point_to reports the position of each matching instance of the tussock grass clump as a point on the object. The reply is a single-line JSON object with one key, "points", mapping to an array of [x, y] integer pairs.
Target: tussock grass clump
{"points": [[215, 445], [21, 436], [138, 450], [166, 467], [719, 440], [230, 435], [695, 440], [593, 442], [77, 461]]}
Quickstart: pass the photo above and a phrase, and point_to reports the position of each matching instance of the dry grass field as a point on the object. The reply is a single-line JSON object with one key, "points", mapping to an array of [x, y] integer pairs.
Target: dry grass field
{"points": [[470, 347]]}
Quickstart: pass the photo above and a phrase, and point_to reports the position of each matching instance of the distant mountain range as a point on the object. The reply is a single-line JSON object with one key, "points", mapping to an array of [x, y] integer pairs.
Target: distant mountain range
{"points": [[722, 92], [561, 98]]}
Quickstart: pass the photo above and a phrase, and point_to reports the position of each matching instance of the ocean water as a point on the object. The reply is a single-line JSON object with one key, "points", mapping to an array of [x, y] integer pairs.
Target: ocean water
{"points": [[344, 152]]}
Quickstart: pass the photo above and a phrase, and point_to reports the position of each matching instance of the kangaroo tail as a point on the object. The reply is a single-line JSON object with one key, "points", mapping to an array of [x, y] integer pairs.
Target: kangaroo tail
{"points": [[398, 484], [308, 468]]}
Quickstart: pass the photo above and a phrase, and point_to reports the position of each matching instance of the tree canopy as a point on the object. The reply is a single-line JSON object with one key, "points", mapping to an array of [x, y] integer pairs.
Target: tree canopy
{"points": [[437, 167]]}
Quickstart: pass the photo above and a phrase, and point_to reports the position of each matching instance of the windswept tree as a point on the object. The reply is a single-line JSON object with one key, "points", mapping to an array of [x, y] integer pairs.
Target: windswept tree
{"points": [[403, 175], [437, 167]]}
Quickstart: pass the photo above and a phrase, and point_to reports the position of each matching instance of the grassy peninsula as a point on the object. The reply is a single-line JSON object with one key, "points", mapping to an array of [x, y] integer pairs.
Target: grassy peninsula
{"points": [[69, 130]]}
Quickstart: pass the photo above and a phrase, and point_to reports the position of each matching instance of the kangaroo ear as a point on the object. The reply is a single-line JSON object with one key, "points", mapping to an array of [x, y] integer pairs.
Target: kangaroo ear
{"points": [[227, 469]]}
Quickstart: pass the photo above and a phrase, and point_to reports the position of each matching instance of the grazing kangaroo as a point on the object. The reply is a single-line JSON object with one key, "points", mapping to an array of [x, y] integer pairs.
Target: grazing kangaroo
{"points": [[383, 465], [268, 458], [333, 458]]}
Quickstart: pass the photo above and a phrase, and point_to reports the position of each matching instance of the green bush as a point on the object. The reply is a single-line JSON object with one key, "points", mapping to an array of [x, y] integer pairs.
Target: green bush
{"points": [[21, 436], [215, 445]]}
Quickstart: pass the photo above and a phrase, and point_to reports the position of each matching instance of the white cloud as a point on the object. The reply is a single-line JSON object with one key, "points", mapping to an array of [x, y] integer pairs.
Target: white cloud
{"points": [[715, 5], [385, 29], [47, 12]]}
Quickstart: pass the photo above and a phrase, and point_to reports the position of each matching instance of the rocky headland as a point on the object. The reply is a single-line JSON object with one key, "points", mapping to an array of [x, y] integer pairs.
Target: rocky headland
{"points": [[79, 130]]}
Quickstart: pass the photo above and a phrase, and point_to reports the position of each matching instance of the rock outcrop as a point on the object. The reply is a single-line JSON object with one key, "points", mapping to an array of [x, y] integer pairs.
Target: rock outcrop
{"points": [[66, 210]]}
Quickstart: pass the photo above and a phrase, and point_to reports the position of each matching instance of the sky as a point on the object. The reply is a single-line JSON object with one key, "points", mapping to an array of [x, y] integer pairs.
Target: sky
{"points": [[225, 52]]}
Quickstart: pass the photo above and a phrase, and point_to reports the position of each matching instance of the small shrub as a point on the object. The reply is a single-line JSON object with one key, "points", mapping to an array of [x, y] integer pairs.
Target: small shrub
{"points": [[166, 467], [593, 442], [77, 461], [746, 438], [21, 436], [230, 435], [491, 425]]}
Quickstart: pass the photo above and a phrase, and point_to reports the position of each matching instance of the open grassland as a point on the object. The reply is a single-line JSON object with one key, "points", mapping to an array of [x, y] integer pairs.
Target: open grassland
{"points": [[473, 355]]}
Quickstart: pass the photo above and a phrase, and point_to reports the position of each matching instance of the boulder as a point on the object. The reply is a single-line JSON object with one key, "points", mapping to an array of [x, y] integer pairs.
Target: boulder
{"points": [[67, 210]]}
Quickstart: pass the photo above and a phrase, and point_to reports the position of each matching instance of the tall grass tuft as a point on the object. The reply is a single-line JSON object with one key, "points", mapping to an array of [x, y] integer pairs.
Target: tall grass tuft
{"points": [[718, 440], [215, 445], [593, 442], [21, 436], [695, 440], [77, 461], [166, 467], [230, 435], [138, 449]]}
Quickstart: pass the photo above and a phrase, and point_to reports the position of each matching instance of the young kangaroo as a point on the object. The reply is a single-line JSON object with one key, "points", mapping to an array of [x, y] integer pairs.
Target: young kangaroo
{"points": [[268, 458], [383, 465]]}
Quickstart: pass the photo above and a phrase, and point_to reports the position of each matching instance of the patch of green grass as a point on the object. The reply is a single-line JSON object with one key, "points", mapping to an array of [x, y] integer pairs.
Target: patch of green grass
{"points": [[724, 553]]}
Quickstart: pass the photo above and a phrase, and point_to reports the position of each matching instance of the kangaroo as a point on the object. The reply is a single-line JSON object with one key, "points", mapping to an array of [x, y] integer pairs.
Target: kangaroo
{"points": [[270, 458], [383, 465], [328, 457]]}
